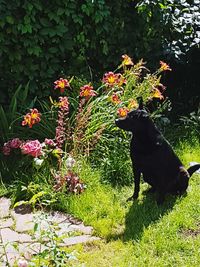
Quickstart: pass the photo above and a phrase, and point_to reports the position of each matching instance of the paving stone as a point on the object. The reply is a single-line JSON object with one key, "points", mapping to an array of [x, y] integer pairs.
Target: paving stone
{"points": [[78, 240], [9, 235], [12, 255], [25, 238], [4, 207], [58, 217], [28, 249], [87, 230], [64, 226], [6, 222], [23, 222]]}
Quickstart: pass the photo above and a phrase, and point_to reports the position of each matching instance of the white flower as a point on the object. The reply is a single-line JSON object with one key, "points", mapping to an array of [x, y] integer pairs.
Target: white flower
{"points": [[70, 162], [22, 263], [38, 162]]}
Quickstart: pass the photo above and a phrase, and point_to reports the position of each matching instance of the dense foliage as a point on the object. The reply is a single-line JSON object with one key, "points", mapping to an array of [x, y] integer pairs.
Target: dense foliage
{"points": [[40, 41], [172, 24]]}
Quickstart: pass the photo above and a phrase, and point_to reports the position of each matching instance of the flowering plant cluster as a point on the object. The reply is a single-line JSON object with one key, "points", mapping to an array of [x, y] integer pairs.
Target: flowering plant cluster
{"points": [[132, 81], [95, 110]]}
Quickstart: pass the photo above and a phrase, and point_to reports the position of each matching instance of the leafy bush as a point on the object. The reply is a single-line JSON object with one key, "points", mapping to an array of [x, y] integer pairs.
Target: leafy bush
{"points": [[39, 42], [192, 122], [170, 25]]}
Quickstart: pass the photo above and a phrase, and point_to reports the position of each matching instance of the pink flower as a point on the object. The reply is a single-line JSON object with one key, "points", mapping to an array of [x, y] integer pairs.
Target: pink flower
{"points": [[15, 143], [22, 263], [49, 142], [32, 148]]}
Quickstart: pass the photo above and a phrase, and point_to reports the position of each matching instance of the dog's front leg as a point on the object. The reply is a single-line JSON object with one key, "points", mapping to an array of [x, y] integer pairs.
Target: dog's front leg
{"points": [[137, 174]]}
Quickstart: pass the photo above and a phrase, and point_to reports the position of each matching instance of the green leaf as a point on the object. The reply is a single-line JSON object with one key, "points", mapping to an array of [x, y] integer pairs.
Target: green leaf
{"points": [[25, 93], [4, 121], [60, 11], [10, 20], [35, 228], [13, 109]]}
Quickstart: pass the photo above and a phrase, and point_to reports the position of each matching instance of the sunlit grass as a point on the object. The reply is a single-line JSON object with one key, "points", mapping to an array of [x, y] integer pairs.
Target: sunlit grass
{"points": [[142, 233], [139, 233]]}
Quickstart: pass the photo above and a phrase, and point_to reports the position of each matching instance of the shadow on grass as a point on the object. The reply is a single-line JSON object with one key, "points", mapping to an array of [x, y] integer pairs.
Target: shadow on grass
{"points": [[143, 213]]}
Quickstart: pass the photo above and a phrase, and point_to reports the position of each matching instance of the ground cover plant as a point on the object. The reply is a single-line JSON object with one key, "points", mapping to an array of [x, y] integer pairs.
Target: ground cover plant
{"points": [[64, 170]]}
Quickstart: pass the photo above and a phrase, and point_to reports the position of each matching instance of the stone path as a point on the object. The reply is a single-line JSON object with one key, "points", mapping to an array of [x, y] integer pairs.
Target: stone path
{"points": [[24, 234]]}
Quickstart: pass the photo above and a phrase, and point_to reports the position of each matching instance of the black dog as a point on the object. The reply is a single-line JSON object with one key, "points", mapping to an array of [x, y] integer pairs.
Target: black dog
{"points": [[153, 157]]}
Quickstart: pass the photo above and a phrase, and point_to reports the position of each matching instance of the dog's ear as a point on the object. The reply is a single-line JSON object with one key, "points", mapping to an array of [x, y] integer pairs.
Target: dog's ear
{"points": [[140, 102]]}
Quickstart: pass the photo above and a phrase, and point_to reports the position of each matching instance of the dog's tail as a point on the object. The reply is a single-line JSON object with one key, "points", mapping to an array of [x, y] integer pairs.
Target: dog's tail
{"points": [[193, 169]]}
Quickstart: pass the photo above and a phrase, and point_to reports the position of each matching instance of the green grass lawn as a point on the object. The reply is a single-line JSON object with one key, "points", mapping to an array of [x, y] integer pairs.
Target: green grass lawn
{"points": [[138, 233]]}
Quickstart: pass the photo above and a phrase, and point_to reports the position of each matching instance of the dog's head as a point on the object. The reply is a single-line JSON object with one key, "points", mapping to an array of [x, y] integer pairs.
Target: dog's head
{"points": [[141, 125], [135, 121]]}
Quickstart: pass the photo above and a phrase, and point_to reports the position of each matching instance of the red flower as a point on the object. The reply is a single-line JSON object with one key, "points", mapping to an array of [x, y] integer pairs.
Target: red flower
{"points": [[61, 84], [164, 66], [31, 118], [112, 79], [122, 112], [115, 99], [87, 91]]}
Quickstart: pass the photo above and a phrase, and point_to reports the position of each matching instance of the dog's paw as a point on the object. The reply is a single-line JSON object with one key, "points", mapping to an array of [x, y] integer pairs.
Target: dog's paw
{"points": [[134, 196]]}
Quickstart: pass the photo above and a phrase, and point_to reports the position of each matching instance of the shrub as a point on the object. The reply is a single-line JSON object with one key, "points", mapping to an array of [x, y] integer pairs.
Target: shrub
{"points": [[171, 24]]}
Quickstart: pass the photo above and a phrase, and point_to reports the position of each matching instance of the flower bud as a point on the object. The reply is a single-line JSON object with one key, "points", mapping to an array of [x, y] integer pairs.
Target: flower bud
{"points": [[70, 162], [38, 162]]}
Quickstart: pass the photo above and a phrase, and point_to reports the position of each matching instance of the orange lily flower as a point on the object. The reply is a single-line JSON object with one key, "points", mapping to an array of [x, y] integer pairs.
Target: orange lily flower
{"points": [[122, 112], [164, 66], [157, 94], [31, 118], [115, 99], [127, 61]]}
